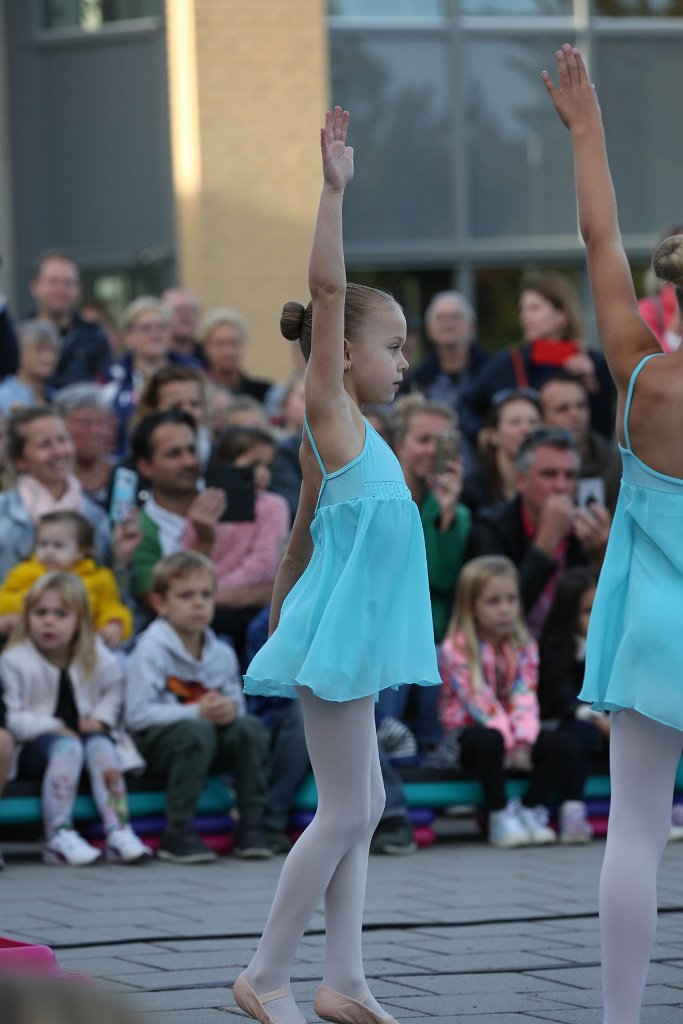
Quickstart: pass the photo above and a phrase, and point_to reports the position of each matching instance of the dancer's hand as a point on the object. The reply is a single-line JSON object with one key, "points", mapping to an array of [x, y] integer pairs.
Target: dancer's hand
{"points": [[575, 100], [337, 156]]}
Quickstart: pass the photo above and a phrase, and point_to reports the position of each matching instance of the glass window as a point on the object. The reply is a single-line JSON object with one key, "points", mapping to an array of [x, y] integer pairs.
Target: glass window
{"points": [[638, 8], [92, 14], [519, 165], [516, 6], [639, 86], [398, 91], [386, 8]]}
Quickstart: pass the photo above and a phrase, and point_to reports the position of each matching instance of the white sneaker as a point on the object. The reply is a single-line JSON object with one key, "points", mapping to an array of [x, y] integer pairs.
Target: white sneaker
{"points": [[505, 829], [574, 824], [67, 847], [535, 821], [124, 847]]}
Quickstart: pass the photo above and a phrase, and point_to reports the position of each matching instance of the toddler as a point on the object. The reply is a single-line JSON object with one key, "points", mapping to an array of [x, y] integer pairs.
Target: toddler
{"points": [[64, 541]]}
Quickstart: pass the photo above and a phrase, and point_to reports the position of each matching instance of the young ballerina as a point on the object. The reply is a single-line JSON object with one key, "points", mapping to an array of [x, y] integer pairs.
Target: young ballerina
{"points": [[350, 614], [634, 650], [64, 693]]}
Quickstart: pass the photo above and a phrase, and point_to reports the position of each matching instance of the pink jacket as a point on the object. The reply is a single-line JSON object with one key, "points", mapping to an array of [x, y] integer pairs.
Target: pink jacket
{"points": [[506, 702], [249, 552]]}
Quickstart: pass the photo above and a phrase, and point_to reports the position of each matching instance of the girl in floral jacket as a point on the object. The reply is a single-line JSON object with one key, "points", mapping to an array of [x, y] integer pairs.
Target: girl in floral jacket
{"points": [[489, 710]]}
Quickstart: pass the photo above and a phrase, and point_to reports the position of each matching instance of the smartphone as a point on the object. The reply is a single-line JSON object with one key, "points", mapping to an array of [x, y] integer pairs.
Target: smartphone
{"points": [[238, 484], [447, 449], [124, 494], [590, 490]]}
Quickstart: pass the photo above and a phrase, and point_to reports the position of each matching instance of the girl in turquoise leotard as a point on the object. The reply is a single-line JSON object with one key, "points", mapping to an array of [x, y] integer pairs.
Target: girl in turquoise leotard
{"points": [[634, 656], [350, 614]]}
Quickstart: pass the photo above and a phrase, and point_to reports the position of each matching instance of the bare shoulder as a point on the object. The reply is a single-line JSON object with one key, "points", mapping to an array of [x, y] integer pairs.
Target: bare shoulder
{"points": [[338, 430], [656, 416]]}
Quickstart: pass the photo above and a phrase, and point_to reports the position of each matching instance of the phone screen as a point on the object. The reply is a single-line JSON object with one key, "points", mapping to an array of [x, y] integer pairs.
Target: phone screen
{"points": [[590, 490], [238, 484], [124, 494]]}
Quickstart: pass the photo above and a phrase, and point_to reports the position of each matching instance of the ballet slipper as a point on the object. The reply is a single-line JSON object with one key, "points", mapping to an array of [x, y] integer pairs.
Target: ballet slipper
{"points": [[339, 1009], [247, 1000]]}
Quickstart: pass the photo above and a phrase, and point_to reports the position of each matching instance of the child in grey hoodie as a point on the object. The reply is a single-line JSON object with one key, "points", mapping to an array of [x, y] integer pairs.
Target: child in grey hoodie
{"points": [[185, 708]]}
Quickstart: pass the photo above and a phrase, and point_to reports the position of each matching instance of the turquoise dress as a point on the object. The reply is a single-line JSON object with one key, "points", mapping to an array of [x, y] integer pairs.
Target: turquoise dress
{"points": [[634, 652], [359, 618]]}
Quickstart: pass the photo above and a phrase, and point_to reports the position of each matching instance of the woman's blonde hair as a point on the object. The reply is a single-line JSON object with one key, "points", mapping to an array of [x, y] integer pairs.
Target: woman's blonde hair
{"points": [[75, 599], [474, 577]]}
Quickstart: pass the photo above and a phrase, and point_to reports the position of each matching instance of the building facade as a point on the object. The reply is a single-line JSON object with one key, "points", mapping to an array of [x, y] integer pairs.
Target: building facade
{"points": [[176, 141]]}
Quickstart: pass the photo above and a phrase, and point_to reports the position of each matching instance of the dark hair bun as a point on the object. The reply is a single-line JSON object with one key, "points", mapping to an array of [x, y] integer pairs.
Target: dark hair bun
{"points": [[292, 320], [667, 261]]}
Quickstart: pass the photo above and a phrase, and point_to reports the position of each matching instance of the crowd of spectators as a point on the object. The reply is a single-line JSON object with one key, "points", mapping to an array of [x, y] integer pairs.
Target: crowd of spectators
{"points": [[510, 456]]}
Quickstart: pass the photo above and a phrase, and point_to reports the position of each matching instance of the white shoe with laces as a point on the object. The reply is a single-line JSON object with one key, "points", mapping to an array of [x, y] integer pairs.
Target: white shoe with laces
{"points": [[124, 847], [535, 821], [505, 829], [574, 824], [67, 847]]}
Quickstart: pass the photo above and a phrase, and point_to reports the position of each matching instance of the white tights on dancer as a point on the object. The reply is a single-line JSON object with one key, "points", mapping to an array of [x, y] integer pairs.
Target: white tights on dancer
{"points": [[643, 759], [330, 859]]}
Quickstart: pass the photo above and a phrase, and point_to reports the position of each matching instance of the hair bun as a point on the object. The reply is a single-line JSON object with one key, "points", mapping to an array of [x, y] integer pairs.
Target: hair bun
{"points": [[667, 261], [292, 320]]}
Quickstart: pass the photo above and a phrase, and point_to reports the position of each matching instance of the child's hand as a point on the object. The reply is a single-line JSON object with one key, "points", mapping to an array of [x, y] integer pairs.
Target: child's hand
{"points": [[216, 708], [125, 538], [575, 100], [519, 759], [7, 624], [111, 633], [337, 156], [88, 724]]}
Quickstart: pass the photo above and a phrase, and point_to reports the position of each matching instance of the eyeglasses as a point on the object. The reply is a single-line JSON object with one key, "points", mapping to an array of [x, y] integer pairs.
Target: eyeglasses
{"points": [[507, 394]]}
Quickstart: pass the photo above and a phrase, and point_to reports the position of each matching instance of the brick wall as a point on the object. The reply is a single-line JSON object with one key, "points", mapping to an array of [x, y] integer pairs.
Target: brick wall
{"points": [[244, 227]]}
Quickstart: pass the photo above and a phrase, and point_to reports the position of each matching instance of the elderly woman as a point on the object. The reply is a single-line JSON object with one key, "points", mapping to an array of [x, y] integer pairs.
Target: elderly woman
{"points": [[92, 428], [223, 341], [41, 450], [146, 325]]}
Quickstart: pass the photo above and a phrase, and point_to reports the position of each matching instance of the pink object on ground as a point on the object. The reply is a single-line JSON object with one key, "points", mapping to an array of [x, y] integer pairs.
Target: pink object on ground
{"points": [[18, 957]]}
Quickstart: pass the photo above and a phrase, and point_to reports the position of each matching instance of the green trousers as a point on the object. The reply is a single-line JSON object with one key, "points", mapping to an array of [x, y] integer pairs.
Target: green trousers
{"points": [[185, 752]]}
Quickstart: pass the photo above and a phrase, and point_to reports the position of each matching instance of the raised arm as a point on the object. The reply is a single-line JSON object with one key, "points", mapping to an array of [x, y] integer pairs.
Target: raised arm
{"points": [[326, 270], [624, 335]]}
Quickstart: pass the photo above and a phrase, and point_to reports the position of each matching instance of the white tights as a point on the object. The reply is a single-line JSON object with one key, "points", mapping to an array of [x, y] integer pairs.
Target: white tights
{"points": [[330, 859], [643, 759]]}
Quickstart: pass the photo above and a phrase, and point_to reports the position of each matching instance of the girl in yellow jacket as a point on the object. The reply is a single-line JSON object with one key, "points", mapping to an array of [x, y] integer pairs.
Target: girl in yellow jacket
{"points": [[64, 542]]}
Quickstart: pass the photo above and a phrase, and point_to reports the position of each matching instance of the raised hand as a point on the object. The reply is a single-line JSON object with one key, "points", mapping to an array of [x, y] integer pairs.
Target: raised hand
{"points": [[337, 156], [575, 100]]}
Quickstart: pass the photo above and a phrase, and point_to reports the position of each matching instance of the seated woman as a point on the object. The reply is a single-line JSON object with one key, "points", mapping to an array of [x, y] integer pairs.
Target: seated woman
{"points": [[514, 414], [553, 338], [246, 554], [92, 427]]}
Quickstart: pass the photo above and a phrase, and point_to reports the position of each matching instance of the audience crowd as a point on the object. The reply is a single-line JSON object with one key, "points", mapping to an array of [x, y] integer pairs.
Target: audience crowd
{"points": [[147, 490]]}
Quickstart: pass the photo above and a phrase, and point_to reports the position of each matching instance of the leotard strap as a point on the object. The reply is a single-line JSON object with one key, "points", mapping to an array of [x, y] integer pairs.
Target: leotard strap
{"points": [[629, 395], [315, 450]]}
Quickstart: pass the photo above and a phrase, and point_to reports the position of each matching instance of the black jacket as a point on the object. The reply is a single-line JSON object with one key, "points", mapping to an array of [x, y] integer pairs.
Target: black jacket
{"points": [[498, 530]]}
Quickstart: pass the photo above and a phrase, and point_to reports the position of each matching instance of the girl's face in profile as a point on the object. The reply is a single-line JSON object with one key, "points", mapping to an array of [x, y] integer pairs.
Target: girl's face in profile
{"points": [[497, 609], [584, 612], [52, 626]]}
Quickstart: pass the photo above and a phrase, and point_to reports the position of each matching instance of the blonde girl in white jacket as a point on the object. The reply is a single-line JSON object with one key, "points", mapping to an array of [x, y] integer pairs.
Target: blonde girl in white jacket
{"points": [[64, 693]]}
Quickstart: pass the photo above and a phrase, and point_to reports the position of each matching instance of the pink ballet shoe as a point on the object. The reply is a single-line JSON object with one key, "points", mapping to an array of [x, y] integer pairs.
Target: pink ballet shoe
{"points": [[247, 1000], [339, 1009]]}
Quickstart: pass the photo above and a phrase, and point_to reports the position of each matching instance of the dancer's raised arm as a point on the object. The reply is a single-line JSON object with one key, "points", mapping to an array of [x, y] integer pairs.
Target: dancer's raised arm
{"points": [[624, 335], [326, 271]]}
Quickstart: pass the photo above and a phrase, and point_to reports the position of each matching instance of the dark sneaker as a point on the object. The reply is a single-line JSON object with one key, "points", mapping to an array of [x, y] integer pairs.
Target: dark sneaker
{"points": [[251, 840], [184, 846], [279, 841], [394, 836]]}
